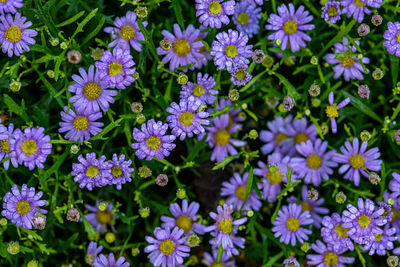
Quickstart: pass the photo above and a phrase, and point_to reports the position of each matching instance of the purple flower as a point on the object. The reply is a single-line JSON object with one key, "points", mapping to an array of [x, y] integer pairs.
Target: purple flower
{"points": [[103, 261], [120, 171], [184, 218], [167, 248], [373, 3], [274, 138], [126, 32], [288, 224], [14, 35], [392, 37], [394, 219], [211, 260], [20, 207], [335, 234], [204, 54], [185, 47], [91, 172], [314, 163], [235, 190], [202, 90], [116, 68], [327, 256], [9, 6], [239, 75], [331, 11], [363, 91], [230, 49], [289, 27], [382, 243], [357, 159], [79, 126], [288, 103], [5, 148], [30, 147], [299, 131], [355, 8], [363, 223], [394, 185], [231, 249], [99, 219], [234, 114], [185, 120], [291, 262], [213, 13], [348, 65], [332, 110], [92, 251], [219, 138], [90, 92], [247, 17], [258, 2], [152, 140]]}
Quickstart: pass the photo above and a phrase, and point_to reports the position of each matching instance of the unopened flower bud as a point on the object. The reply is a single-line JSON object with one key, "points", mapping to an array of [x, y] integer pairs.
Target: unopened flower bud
{"points": [[181, 193], [144, 212]]}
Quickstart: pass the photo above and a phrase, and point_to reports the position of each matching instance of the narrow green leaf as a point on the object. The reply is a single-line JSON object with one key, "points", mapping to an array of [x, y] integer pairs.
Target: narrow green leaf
{"points": [[108, 128], [178, 13], [252, 81], [54, 168], [219, 254], [93, 33], [226, 161], [71, 20], [394, 69], [14, 107], [88, 228], [338, 38], [362, 107], [84, 22], [249, 187], [290, 88]]}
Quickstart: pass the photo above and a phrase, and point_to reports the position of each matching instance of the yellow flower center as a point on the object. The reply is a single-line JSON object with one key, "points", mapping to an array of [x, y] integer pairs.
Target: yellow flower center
{"points": [[80, 123], [300, 138], [347, 61], [198, 90], [114, 68], [167, 247], [280, 137], [3, 1], [184, 222], [306, 206], [13, 34], [202, 49], [127, 32], [243, 18], [231, 51], [332, 111], [241, 75], [217, 265], [341, 231], [225, 226], [331, 259], [398, 38], [292, 224], [92, 171], [356, 161], [364, 221], [378, 237], [222, 137], [104, 217], [290, 27], [92, 90], [153, 143], [29, 147], [394, 215], [186, 118], [241, 192], [332, 11], [5, 146], [359, 3], [181, 47], [274, 178], [116, 171], [89, 257], [215, 7], [23, 207], [314, 161]]}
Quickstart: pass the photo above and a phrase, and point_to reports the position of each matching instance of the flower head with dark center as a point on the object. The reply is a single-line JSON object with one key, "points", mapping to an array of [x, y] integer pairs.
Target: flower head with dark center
{"points": [[202, 90], [120, 170], [247, 18], [355, 8], [327, 256], [213, 13], [100, 219], [392, 38]]}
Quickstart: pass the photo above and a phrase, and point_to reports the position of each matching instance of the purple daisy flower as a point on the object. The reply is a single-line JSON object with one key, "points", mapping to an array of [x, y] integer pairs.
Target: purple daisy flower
{"points": [[213, 13], [392, 37], [274, 138], [231, 249], [103, 261], [289, 27], [258, 2], [331, 11], [184, 218], [235, 190], [79, 126], [247, 17], [349, 65], [355, 8], [211, 260], [363, 223], [202, 90], [92, 251], [230, 49], [394, 219], [185, 120], [234, 114], [239, 75], [30, 147], [272, 178], [335, 234], [167, 248], [373, 3], [204, 54], [91, 94], [91, 172], [116, 68], [382, 243], [332, 110], [9, 6], [100, 219], [288, 224], [224, 226], [219, 138], [120, 171], [185, 49], [15, 37], [327, 256], [313, 163], [5, 148], [394, 185], [291, 262], [20, 207], [299, 131], [357, 159], [126, 32], [152, 140]]}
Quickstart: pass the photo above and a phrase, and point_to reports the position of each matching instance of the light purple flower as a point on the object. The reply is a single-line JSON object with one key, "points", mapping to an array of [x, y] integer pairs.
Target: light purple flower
{"points": [[392, 38], [92, 251], [332, 110], [234, 114], [120, 170], [274, 137], [382, 243], [5, 148], [204, 54], [211, 260], [331, 11], [373, 3], [231, 249], [213, 13], [327, 256], [394, 185], [299, 131], [239, 75], [291, 262], [247, 18], [9, 6], [103, 261], [258, 2], [355, 8], [335, 234], [100, 219], [202, 90]]}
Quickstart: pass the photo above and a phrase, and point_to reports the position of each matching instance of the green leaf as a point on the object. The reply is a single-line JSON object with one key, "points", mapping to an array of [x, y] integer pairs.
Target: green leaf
{"points": [[252, 81], [249, 187], [55, 167], [89, 228], [94, 32], [64, 245], [226, 161], [71, 20], [362, 107], [290, 88], [219, 255], [344, 30], [14, 107], [84, 22], [178, 13], [106, 130], [394, 69]]}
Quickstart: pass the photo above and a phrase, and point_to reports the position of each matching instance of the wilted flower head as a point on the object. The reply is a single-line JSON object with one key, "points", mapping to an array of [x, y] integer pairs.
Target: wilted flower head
{"points": [[363, 30], [73, 215], [288, 103], [363, 91], [258, 56], [74, 57], [376, 20]]}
